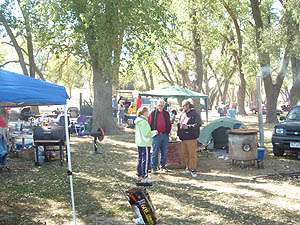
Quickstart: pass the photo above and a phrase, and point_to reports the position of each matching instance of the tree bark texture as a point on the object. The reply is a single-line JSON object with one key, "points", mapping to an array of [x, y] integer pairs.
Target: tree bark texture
{"points": [[197, 48], [102, 111], [295, 90], [146, 81], [29, 42]]}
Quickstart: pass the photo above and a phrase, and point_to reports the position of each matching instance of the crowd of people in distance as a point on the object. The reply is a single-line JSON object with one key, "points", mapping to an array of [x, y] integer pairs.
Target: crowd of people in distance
{"points": [[229, 110]]}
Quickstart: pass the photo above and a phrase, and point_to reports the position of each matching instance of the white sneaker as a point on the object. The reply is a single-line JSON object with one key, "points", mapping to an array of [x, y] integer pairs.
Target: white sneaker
{"points": [[139, 221], [193, 174], [187, 171], [146, 180]]}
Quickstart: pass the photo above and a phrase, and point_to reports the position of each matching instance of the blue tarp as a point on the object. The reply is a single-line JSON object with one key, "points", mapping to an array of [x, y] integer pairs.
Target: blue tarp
{"points": [[20, 90]]}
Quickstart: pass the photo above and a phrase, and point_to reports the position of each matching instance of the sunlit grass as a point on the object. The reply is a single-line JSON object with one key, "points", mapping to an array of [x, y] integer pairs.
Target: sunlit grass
{"points": [[221, 194]]}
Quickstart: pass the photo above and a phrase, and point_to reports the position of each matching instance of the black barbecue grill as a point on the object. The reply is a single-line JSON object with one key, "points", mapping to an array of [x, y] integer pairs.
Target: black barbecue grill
{"points": [[49, 136]]}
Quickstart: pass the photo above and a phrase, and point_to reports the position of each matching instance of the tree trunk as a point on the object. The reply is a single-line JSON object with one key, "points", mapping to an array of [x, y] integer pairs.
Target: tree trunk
{"points": [[151, 79], [225, 91], [272, 90], [102, 111], [197, 46], [29, 41], [117, 59], [15, 43], [206, 82], [167, 70], [238, 58], [242, 95], [295, 90], [146, 81], [198, 62], [30, 55], [212, 98]]}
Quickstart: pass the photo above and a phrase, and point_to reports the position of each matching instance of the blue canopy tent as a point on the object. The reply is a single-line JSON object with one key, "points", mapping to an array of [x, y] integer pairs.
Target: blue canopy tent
{"points": [[19, 90]]}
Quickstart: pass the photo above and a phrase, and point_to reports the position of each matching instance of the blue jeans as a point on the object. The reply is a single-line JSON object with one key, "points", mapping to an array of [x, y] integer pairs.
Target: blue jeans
{"points": [[160, 144]]}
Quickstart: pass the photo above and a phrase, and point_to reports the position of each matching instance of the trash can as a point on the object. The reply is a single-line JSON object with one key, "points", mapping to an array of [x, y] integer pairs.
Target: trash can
{"points": [[242, 144]]}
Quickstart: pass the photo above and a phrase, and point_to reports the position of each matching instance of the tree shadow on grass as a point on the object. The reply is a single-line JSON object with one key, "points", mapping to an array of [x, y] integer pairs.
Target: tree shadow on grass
{"points": [[186, 195]]}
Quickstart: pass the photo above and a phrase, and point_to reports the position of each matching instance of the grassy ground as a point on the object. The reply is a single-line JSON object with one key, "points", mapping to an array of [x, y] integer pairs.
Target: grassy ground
{"points": [[220, 194]]}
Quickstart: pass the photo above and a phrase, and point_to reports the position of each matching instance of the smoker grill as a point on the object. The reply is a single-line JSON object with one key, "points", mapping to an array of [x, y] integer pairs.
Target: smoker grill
{"points": [[49, 136], [50, 133]]}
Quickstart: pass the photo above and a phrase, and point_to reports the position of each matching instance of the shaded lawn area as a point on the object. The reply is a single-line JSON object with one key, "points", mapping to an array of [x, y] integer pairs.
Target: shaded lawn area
{"points": [[219, 195]]}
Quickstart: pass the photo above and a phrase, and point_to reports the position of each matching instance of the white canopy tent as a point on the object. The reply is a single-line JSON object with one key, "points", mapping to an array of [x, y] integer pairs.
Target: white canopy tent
{"points": [[18, 90]]}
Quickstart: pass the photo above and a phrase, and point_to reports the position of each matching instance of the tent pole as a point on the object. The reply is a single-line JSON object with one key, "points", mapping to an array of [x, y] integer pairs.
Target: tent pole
{"points": [[206, 103], [69, 164]]}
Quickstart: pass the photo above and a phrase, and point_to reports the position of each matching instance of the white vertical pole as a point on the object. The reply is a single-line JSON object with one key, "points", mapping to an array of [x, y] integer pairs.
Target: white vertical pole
{"points": [[260, 112], [69, 164], [206, 103]]}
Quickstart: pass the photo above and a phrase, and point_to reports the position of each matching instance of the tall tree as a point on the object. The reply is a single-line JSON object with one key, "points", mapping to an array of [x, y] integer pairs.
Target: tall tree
{"points": [[17, 19], [294, 22], [95, 31], [262, 19], [233, 8]]}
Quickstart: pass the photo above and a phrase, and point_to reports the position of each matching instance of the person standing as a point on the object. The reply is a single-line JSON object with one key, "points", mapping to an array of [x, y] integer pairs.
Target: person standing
{"points": [[222, 110], [121, 112], [188, 132], [114, 105], [231, 112], [159, 120], [143, 140]]}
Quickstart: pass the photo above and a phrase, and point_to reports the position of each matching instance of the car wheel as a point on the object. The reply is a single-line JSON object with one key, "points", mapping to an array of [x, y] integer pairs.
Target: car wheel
{"points": [[277, 151]]}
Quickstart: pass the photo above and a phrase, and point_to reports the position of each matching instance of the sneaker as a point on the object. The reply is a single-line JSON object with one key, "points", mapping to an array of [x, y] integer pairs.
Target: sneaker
{"points": [[154, 171], [146, 180], [187, 172], [164, 169], [193, 174]]}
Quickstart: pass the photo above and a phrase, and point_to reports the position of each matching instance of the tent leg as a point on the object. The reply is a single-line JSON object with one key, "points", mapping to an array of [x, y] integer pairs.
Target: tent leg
{"points": [[206, 103], [69, 164]]}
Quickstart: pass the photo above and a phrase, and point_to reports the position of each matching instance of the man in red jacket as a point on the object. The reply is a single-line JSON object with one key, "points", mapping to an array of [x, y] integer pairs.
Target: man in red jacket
{"points": [[159, 120]]}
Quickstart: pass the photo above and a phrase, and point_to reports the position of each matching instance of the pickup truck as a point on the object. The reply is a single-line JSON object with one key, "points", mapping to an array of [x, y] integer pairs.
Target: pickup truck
{"points": [[286, 134]]}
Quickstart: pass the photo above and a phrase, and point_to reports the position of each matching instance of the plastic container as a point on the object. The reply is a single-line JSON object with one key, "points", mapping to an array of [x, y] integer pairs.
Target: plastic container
{"points": [[261, 153]]}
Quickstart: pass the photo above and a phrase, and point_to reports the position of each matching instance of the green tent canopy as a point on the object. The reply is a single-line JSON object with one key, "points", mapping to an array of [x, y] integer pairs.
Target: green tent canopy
{"points": [[177, 92], [206, 132], [174, 92]]}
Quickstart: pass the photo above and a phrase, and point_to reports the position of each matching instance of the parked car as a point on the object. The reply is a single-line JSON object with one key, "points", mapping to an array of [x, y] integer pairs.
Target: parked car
{"points": [[286, 135], [264, 110]]}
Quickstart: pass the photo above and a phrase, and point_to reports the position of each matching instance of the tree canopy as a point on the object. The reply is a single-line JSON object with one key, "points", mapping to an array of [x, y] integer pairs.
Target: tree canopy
{"points": [[217, 47]]}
